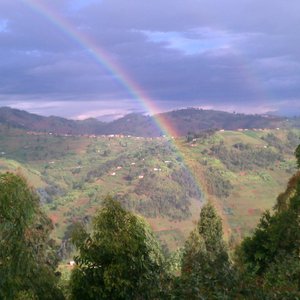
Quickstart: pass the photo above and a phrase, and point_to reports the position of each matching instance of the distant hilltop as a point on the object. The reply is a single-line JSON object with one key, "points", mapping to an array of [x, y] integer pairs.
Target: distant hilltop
{"points": [[182, 122]]}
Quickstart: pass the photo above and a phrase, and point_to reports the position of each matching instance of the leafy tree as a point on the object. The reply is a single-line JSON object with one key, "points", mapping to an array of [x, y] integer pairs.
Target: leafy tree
{"points": [[206, 270], [270, 257], [120, 259], [27, 254]]}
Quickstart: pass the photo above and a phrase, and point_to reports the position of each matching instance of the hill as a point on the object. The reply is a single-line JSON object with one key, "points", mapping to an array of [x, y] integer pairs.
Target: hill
{"points": [[195, 120], [134, 124], [182, 121], [163, 179], [22, 119]]}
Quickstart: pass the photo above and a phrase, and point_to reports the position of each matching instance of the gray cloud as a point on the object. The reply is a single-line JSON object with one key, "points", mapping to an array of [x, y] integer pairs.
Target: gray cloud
{"points": [[219, 54]]}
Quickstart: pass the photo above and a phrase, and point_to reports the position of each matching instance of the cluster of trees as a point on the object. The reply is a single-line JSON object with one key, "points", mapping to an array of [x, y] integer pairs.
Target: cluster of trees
{"points": [[292, 140], [105, 167], [163, 149], [217, 184], [121, 258], [243, 157], [202, 135], [157, 196], [184, 178]]}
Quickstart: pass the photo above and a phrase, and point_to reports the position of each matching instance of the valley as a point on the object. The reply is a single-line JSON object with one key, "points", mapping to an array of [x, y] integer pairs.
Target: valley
{"points": [[164, 179]]}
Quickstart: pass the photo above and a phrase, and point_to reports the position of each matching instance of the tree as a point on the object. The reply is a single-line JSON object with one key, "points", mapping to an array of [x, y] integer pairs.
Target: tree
{"points": [[270, 257], [206, 269], [120, 259], [27, 254]]}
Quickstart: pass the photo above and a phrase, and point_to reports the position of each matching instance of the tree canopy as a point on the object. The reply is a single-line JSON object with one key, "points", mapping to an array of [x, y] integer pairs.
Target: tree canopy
{"points": [[120, 259], [27, 254], [206, 269], [271, 254]]}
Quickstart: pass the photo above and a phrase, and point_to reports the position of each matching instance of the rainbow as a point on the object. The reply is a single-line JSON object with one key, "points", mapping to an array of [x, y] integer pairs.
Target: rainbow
{"points": [[105, 61]]}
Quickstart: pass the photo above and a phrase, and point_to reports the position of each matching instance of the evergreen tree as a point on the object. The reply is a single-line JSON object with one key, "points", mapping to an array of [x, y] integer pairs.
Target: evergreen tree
{"points": [[206, 270], [27, 254], [120, 259]]}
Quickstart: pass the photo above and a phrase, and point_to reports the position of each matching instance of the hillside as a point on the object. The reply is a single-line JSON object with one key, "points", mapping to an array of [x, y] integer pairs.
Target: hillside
{"points": [[135, 125], [182, 121], [22, 119], [162, 179], [195, 120]]}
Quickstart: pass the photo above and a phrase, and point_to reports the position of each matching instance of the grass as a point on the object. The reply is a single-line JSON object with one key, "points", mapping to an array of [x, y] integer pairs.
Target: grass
{"points": [[246, 137]]}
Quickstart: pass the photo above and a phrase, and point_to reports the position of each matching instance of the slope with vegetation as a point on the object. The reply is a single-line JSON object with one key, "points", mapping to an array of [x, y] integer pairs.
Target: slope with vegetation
{"points": [[151, 176], [236, 167], [120, 258]]}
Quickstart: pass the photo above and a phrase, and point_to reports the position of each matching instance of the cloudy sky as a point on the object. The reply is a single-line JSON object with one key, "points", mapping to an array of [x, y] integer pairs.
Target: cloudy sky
{"points": [[90, 58]]}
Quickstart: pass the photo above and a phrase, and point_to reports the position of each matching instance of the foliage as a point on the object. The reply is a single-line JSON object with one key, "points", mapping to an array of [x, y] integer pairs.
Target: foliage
{"points": [[156, 195], [67, 195], [275, 235], [272, 253], [202, 135], [292, 139], [105, 167], [206, 269], [217, 184], [274, 141], [120, 260], [282, 278], [184, 178], [240, 158], [27, 256]]}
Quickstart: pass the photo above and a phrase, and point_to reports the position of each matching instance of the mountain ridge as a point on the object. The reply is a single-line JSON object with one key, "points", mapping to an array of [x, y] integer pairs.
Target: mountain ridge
{"points": [[182, 121]]}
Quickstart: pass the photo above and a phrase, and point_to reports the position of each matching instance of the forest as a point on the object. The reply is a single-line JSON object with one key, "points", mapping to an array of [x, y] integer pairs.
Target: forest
{"points": [[120, 257]]}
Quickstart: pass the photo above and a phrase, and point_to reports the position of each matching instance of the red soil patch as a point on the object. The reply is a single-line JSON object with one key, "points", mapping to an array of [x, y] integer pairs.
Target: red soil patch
{"points": [[253, 211], [54, 218], [82, 201]]}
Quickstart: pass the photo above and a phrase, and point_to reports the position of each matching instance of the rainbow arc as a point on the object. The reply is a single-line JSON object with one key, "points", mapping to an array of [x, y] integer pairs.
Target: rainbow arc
{"points": [[103, 59]]}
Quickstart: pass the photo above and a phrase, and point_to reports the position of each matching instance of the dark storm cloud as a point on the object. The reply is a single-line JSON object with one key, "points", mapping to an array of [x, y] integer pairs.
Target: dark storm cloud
{"points": [[234, 55]]}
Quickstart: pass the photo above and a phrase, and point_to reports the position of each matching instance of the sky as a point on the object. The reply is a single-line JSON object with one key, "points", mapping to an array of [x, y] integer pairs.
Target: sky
{"points": [[103, 58]]}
